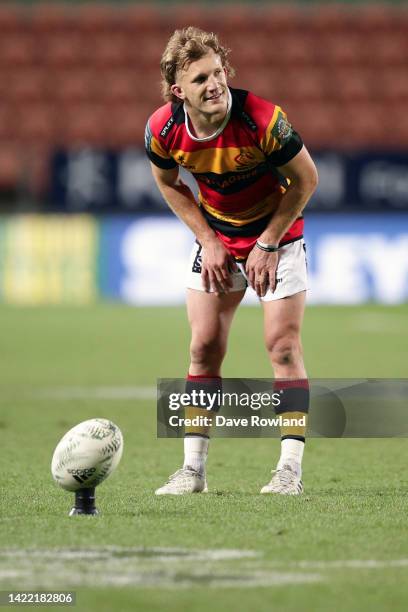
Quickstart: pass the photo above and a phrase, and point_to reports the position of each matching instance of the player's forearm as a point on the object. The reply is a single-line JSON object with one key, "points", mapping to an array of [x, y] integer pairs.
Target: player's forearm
{"points": [[182, 202], [289, 209]]}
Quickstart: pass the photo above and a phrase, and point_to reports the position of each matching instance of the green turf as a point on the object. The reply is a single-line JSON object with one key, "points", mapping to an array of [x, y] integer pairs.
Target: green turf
{"points": [[354, 507]]}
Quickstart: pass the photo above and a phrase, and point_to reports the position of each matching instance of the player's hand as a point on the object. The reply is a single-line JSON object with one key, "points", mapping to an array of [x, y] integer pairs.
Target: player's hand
{"points": [[217, 266], [261, 269]]}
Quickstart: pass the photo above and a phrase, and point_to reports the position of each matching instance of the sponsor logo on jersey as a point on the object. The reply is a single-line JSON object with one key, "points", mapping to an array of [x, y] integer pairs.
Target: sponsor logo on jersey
{"points": [[224, 183], [249, 121], [167, 127], [181, 160]]}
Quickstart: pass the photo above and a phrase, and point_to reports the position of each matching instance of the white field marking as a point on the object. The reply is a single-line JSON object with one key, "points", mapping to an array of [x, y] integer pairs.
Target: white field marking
{"points": [[352, 564], [188, 578], [100, 393], [143, 568], [169, 568], [182, 578], [170, 555], [14, 573], [118, 552]]}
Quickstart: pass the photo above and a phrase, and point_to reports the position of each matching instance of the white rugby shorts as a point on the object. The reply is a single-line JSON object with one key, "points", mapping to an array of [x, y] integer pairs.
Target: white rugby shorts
{"points": [[291, 273]]}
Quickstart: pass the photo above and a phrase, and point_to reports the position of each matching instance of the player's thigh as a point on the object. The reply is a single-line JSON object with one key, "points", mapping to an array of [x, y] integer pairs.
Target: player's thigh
{"points": [[283, 318], [209, 315]]}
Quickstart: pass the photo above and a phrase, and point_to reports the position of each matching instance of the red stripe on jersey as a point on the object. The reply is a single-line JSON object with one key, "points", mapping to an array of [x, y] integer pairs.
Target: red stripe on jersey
{"points": [[241, 246]]}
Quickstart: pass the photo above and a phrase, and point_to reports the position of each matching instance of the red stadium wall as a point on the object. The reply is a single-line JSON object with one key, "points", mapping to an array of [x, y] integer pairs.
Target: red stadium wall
{"points": [[89, 75]]}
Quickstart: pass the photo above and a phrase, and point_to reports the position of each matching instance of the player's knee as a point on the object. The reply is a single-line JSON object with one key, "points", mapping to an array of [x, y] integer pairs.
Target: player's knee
{"points": [[204, 351], [284, 350]]}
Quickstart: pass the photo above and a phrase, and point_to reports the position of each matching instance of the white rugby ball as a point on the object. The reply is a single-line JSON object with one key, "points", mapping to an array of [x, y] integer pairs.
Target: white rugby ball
{"points": [[87, 454]]}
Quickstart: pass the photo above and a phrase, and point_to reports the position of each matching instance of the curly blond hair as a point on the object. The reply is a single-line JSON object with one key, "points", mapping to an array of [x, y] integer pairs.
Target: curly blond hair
{"points": [[185, 46]]}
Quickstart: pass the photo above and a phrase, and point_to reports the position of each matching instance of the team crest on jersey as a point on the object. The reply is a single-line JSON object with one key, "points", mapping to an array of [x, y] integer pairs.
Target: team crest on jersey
{"points": [[282, 129], [245, 160]]}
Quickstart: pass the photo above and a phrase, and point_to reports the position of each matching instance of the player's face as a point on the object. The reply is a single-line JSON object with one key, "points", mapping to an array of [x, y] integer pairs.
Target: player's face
{"points": [[203, 85]]}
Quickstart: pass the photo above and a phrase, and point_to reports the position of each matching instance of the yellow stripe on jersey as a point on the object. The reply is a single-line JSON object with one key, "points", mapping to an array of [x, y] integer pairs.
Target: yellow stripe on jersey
{"points": [[268, 142], [253, 213], [278, 132], [219, 159], [158, 149]]}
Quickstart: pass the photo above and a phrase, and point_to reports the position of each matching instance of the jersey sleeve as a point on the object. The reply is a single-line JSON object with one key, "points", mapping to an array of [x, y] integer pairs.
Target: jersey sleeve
{"points": [[155, 148], [280, 142]]}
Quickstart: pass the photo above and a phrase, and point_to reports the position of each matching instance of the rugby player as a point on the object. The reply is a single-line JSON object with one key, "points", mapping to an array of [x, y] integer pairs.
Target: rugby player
{"points": [[255, 176]]}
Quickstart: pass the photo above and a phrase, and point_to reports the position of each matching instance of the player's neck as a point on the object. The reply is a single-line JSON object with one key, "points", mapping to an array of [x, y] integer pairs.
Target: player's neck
{"points": [[205, 126]]}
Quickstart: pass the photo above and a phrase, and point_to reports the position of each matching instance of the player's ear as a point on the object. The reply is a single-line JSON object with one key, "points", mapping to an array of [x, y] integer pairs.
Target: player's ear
{"points": [[177, 91]]}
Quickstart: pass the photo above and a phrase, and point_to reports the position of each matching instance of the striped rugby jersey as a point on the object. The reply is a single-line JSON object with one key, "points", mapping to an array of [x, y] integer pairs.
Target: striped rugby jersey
{"points": [[240, 186]]}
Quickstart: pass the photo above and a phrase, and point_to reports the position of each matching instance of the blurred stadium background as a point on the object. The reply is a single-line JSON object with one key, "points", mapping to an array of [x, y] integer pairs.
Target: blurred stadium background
{"points": [[79, 80], [78, 216]]}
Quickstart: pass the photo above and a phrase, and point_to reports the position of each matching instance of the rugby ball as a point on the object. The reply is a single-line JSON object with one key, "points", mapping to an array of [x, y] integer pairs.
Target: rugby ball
{"points": [[87, 454]]}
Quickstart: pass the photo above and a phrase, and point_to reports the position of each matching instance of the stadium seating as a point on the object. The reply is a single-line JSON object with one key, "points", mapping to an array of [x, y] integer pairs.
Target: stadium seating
{"points": [[88, 74], [10, 166]]}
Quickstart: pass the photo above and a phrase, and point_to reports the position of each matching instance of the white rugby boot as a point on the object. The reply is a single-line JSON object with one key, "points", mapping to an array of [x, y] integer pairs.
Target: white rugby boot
{"points": [[183, 482], [285, 481]]}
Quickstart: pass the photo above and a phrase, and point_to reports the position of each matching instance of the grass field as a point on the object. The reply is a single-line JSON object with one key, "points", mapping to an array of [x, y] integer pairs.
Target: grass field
{"points": [[342, 545]]}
